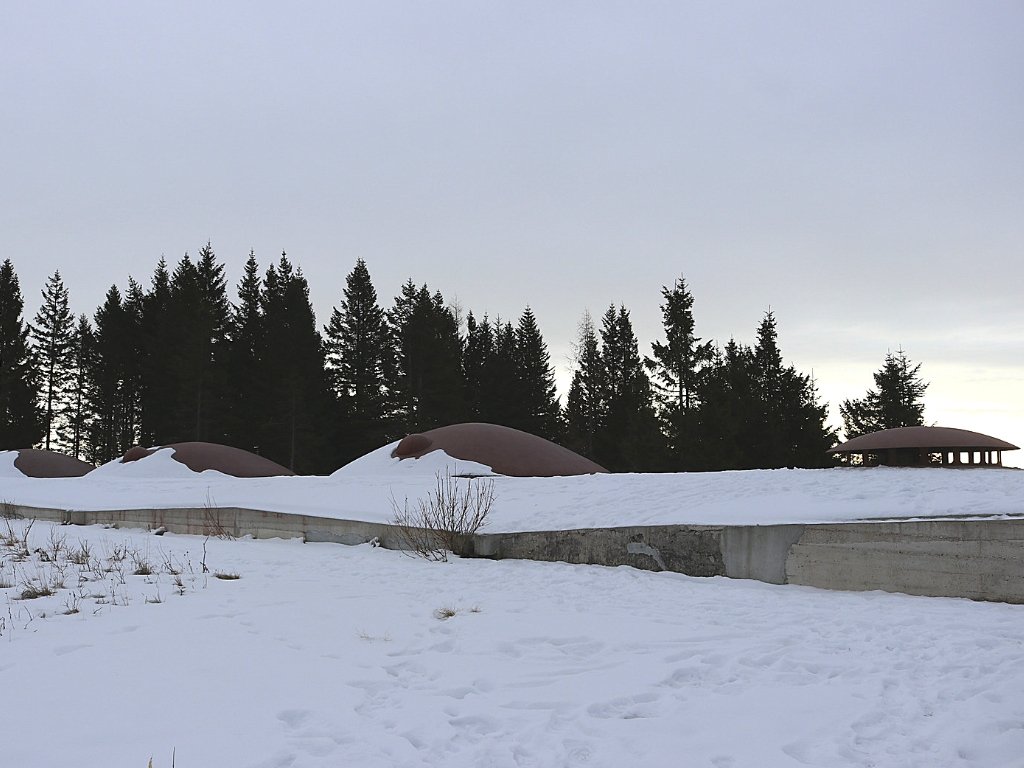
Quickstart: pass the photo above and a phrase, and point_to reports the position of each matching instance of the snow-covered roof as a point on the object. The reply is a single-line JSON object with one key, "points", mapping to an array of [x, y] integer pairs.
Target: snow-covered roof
{"points": [[924, 437]]}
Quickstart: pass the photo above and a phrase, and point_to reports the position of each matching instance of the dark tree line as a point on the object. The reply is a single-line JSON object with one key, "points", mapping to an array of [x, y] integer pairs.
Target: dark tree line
{"points": [[179, 359], [692, 405]]}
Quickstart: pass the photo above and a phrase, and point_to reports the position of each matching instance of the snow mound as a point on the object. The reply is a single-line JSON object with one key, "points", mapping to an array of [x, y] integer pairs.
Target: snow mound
{"points": [[380, 463], [160, 464], [7, 468]]}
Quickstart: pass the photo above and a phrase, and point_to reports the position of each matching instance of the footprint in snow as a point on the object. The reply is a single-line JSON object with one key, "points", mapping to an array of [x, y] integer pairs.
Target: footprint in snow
{"points": [[63, 650], [293, 718]]}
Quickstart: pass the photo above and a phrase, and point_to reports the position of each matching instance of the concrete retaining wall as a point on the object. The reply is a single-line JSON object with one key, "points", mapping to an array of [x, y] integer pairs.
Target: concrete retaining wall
{"points": [[980, 559]]}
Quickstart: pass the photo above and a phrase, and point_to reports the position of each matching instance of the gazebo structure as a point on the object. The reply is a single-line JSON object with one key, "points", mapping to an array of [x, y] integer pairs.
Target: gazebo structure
{"points": [[926, 446]]}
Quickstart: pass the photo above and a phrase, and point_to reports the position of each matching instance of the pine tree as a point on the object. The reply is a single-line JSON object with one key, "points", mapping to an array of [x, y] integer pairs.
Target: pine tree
{"points": [[808, 437], [21, 421], [584, 415], [502, 404], [159, 370], [767, 440], [83, 356], [536, 398], [133, 364], [293, 366], [210, 341], [729, 412], [246, 386], [896, 401], [106, 381], [790, 427], [357, 344], [429, 380], [678, 365], [477, 355], [630, 439], [399, 380], [52, 336]]}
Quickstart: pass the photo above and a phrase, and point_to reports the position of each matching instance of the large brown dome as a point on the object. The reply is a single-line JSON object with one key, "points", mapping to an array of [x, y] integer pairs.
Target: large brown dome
{"points": [[505, 450]]}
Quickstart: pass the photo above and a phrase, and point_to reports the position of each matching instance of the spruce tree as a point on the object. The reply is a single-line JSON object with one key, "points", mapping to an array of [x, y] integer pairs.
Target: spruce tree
{"points": [[896, 401], [428, 353], [298, 397], [630, 439], [106, 391], [357, 344], [246, 386], [790, 427], [83, 356], [536, 398], [399, 381], [210, 347], [195, 368], [21, 420], [502, 405], [477, 353], [134, 355], [729, 410], [584, 415], [767, 440], [160, 373], [52, 336], [677, 366]]}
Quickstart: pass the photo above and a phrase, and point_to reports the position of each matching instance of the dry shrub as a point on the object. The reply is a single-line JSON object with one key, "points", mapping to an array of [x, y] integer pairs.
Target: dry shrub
{"points": [[445, 521]]}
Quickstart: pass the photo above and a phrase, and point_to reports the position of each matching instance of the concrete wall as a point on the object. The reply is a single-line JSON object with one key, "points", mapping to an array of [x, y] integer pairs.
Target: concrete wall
{"points": [[982, 560]]}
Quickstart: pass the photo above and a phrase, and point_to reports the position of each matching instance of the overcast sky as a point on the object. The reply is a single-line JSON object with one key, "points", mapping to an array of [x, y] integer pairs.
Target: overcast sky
{"points": [[857, 167]]}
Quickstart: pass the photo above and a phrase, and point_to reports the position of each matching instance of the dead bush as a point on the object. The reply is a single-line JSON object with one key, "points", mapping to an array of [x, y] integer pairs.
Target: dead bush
{"points": [[445, 521]]}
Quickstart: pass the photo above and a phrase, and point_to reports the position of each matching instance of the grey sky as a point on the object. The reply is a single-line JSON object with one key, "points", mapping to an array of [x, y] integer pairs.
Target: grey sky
{"points": [[859, 167]]}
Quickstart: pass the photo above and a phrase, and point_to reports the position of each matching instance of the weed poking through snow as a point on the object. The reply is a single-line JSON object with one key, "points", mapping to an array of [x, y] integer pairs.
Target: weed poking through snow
{"points": [[40, 569]]}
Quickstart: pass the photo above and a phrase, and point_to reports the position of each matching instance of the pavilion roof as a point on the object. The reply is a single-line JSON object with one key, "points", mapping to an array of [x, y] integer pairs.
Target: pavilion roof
{"points": [[923, 437]]}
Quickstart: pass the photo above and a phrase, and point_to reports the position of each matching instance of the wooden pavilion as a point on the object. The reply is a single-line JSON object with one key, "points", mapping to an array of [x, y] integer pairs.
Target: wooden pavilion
{"points": [[925, 446]]}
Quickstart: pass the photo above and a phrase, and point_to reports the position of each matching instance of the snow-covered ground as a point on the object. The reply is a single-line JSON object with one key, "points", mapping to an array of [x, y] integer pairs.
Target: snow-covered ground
{"points": [[327, 655], [364, 490]]}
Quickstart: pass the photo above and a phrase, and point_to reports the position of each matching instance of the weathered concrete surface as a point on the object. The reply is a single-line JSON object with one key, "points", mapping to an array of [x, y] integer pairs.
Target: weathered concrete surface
{"points": [[694, 550], [979, 559], [225, 521], [758, 551]]}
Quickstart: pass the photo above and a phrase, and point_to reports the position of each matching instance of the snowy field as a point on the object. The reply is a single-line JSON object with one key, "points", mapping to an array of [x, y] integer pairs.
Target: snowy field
{"points": [[364, 490], [327, 655]]}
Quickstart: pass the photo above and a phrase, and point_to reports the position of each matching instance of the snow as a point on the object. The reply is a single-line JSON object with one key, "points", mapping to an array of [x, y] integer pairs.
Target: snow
{"points": [[380, 463], [327, 655], [160, 464], [7, 468], [365, 490]]}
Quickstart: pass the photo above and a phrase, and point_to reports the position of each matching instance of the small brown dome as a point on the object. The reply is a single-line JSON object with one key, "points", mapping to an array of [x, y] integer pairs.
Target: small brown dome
{"points": [[33, 463], [199, 456]]}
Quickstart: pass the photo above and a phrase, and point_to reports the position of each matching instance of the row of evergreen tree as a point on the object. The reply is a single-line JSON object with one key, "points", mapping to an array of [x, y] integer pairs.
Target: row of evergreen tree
{"points": [[178, 360]]}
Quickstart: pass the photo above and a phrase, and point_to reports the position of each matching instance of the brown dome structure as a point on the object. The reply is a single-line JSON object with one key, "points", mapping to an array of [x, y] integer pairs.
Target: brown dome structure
{"points": [[926, 446], [33, 463], [199, 456], [505, 450]]}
